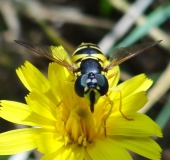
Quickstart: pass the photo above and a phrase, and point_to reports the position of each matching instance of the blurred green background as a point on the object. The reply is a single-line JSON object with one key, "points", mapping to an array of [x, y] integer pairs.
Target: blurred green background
{"points": [[108, 23]]}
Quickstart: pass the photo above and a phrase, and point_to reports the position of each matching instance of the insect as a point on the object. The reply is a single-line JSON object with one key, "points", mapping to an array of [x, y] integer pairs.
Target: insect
{"points": [[89, 65]]}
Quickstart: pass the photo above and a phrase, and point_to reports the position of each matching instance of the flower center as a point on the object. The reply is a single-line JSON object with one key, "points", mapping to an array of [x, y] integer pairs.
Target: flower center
{"points": [[81, 126]]}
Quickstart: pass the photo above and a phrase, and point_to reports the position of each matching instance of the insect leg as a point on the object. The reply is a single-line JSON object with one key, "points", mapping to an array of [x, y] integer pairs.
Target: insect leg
{"points": [[113, 74], [111, 107], [107, 115], [120, 105]]}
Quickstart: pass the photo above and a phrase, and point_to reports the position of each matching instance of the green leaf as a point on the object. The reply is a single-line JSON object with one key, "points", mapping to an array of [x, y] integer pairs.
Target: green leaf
{"points": [[105, 8], [4, 157]]}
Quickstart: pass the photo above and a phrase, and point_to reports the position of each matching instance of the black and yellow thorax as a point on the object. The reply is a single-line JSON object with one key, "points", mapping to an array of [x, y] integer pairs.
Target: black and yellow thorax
{"points": [[88, 58]]}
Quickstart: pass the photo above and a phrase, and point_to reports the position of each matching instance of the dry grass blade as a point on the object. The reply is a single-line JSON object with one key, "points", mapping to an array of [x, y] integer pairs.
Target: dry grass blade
{"points": [[159, 89], [10, 16], [124, 24]]}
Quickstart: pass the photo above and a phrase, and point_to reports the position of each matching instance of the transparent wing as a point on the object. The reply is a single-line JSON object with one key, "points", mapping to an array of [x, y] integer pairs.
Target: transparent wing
{"points": [[56, 54], [120, 55]]}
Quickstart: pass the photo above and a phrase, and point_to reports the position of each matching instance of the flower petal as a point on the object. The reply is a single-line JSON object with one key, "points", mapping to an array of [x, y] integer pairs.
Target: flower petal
{"points": [[17, 141], [134, 102], [134, 85], [113, 81], [60, 53], [49, 142], [14, 111], [71, 152], [107, 149], [129, 104], [140, 126], [57, 72], [41, 105], [32, 78], [20, 113], [143, 146], [87, 156]]}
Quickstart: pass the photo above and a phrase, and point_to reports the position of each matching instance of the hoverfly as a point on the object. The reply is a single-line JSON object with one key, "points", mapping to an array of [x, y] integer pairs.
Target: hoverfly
{"points": [[88, 64]]}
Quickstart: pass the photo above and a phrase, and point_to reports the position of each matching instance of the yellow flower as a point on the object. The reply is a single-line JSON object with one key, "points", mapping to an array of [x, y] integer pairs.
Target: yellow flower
{"points": [[63, 127]]}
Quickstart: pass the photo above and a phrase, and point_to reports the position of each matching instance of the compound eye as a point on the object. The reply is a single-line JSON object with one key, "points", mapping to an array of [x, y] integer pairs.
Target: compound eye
{"points": [[103, 84], [101, 80], [80, 84]]}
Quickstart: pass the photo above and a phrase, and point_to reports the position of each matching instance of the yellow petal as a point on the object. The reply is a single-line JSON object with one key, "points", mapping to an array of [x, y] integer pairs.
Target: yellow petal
{"points": [[115, 72], [20, 113], [39, 121], [17, 141], [23, 78], [49, 142], [134, 85], [143, 146], [61, 54], [58, 72], [134, 102], [41, 105], [14, 111], [129, 104], [60, 80], [32, 78], [86, 155], [74, 152], [140, 126], [53, 76], [71, 152], [107, 149]]}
